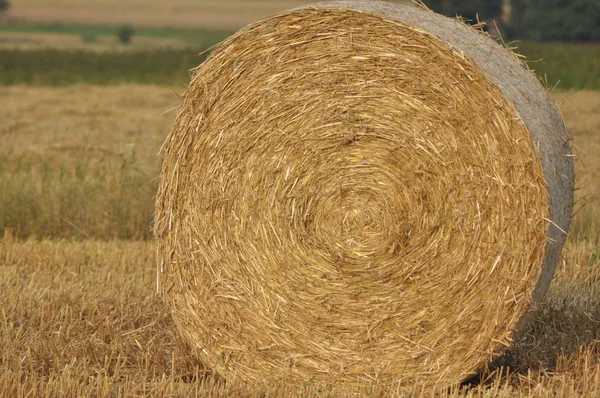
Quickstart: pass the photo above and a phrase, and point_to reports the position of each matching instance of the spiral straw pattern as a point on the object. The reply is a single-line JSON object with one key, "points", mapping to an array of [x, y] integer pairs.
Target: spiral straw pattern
{"points": [[348, 198]]}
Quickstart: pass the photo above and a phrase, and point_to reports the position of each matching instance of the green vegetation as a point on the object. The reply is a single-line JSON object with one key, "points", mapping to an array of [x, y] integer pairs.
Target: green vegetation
{"points": [[556, 20], [567, 66], [125, 33], [58, 68], [4, 5], [572, 66], [564, 66], [538, 20], [469, 9]]}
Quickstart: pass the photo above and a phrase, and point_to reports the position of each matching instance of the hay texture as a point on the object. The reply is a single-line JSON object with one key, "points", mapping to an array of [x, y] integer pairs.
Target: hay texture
{"points": [[359, 192]]}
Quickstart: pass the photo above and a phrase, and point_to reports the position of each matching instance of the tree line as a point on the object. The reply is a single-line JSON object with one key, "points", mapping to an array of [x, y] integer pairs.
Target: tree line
{"points": [[538, 20]]}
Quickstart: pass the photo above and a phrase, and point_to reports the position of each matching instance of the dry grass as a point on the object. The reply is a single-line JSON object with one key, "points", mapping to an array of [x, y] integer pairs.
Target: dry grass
{"points": [[83, 318], [81, 162], [99, 122], [230, 14]]}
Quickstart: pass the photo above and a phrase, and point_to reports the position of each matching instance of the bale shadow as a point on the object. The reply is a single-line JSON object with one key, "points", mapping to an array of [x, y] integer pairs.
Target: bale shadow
{"points": [[566, 320]]}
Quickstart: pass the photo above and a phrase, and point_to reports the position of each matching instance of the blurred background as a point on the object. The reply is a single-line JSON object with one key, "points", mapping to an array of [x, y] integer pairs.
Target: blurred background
{"points": [[95, 40]]}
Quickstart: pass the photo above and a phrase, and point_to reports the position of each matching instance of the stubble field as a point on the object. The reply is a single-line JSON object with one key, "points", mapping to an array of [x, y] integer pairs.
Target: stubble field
{"points": [[79, 315]]}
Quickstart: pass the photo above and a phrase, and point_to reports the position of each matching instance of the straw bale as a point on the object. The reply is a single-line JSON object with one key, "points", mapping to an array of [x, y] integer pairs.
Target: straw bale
{"points": [[360, 192]]}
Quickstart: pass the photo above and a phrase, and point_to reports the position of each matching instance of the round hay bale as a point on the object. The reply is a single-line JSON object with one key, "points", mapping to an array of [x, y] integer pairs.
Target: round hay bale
{"points": [[360, 192]]}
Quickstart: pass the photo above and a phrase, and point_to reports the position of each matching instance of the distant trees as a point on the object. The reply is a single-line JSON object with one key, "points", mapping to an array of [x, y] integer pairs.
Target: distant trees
{"points": [[125, 33], [4, 5], [539, 20], [468, 9], [556, 20]]}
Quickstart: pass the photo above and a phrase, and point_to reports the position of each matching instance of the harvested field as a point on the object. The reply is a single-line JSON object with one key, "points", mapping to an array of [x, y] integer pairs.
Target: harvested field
{"points": [[81, 162], [82, 318], [91, 120]]}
